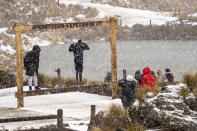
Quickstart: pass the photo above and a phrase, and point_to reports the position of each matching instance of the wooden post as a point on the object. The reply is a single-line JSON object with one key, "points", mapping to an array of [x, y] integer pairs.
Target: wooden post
{"points": [[58, 72], [20, 102], [124, 75], [58, 2], [150, 23], [93, 112], [113, 24], [59, 118]]}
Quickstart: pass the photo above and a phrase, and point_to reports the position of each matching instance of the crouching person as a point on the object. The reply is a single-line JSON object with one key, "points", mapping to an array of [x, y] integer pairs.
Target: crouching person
{"points": [[128, 91], [31, 65]]}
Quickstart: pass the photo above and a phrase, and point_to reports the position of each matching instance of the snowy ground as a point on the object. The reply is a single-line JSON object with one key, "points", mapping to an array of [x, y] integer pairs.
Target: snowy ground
{"points": [[75, 105], [128, 16]]}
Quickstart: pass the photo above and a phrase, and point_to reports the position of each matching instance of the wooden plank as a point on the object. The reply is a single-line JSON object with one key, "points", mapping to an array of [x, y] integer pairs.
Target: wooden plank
{"points": [[20, 101], [31, 118], [113, 25], [61, 90], [62, 25]]}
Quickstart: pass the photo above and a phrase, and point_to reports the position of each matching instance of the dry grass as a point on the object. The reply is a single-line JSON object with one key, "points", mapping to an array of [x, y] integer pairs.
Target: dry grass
{"points": [[141, 93], [135, 128], [45, 80], [190, 80], [195, 92], [115, 111], [94, 82], [184, 92], [96, 129]]}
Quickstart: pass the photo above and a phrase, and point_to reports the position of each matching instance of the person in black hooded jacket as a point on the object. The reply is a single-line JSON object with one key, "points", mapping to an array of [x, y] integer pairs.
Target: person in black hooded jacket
{"points": [[31, 65], [128, 91], [78, 49]]}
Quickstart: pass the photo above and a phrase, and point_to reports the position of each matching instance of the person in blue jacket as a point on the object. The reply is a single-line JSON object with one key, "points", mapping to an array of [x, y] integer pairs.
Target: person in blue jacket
{"points": [[78, 49]]}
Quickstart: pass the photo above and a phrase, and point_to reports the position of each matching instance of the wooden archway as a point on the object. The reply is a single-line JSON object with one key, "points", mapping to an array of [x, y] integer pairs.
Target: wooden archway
{"points": [[18, 29]]}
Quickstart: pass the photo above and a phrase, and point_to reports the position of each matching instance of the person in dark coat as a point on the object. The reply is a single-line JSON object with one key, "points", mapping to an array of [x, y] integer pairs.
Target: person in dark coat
{"points": [[138, 76], [153, 73], [128, 91], [78, 49], [31, 65], [108, 78], [169, 76]]}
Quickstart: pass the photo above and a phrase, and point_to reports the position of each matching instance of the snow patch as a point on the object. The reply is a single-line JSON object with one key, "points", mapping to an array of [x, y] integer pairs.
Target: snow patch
{"points": [[69, 20], [37, 41], [3, 30], [80, 16], [7, 48], [128, 16]]}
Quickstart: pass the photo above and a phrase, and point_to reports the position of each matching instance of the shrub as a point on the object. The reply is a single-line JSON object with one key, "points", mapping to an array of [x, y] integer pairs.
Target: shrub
{"points": [[184, 92], [43, 80], [190, 80], [141, 93], [195, 92], [48, 81], [7, 79], [135, 128], [96, 129], [93, 82], [115, 111]]}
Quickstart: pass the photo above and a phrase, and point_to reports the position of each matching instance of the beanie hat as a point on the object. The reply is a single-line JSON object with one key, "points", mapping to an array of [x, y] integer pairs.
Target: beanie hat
{"points": [[167, 70], [129, 78]]}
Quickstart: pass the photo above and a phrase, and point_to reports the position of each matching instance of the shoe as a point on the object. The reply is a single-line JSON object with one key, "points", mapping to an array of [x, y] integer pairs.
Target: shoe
{"points": [[37, 88], [30, 88]]}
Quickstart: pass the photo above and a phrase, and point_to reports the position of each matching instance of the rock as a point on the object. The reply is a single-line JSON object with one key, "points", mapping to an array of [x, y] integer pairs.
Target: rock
{"points": [[192, 103], [167, 110]]}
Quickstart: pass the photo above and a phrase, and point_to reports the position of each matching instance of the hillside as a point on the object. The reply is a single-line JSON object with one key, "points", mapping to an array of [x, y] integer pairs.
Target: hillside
{"points": [[188, 6]]}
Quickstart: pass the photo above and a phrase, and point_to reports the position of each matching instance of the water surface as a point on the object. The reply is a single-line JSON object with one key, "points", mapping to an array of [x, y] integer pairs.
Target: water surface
{"points": [[179, 56]]}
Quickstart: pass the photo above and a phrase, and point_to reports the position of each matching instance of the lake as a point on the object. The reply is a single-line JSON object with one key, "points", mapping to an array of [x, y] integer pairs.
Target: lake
{"points": [[179, 56]]}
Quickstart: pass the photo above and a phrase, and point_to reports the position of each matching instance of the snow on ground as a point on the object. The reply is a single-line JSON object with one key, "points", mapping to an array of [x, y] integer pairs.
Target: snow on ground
{"points": [[172, 96], [35, 41], [128, 16], [7, 48], [54, 20], [75, 105], [3, 30]]}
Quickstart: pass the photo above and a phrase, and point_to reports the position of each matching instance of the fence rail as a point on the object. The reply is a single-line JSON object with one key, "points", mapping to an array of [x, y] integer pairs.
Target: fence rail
{"points": [[59, 118], [62, 90]]}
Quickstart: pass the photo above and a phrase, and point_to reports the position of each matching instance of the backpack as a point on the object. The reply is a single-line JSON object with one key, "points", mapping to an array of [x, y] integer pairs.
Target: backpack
{"points": [[28, 59]]}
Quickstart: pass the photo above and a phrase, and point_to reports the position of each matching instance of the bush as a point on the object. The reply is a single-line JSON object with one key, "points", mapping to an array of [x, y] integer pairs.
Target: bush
{"points": [[43, 80], [96, 129], [115, 111], [135, 128], [93, 82], [141, 93], [190, 80], [7, 79], [48, 81], [195, 92], [184, 92]]}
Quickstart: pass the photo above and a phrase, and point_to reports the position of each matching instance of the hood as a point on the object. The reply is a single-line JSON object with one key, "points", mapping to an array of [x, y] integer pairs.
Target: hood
{"points": [[146, 70], [36, 48]]}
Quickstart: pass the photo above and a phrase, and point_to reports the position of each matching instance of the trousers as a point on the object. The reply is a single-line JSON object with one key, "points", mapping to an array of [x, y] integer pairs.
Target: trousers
{"points": [[34, 79]]}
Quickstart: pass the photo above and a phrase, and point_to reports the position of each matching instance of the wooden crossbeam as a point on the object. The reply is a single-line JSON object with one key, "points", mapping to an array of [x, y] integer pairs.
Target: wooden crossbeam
{"points": [[31, 118], [62, 25], [61, 90]]}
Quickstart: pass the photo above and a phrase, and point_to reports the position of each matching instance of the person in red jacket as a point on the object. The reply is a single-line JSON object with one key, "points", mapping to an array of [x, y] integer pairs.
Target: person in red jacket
{"points": [[148, 80]]}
